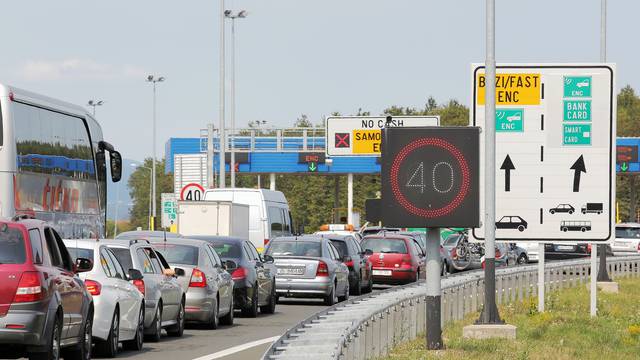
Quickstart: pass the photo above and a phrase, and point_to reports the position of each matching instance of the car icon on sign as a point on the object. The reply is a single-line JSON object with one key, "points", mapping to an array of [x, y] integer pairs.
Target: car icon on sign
{"points": [[583, 83], [514, 117], [512, 222]]}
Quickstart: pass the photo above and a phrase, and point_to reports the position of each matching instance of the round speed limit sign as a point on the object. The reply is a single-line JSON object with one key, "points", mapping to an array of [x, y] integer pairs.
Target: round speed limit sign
{"points": [[192, 192]]}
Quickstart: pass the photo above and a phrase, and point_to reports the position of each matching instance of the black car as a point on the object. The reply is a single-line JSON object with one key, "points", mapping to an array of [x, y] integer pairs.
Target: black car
{"points": [[562, 208], [255, 275], [569, 251], [356, 259]]}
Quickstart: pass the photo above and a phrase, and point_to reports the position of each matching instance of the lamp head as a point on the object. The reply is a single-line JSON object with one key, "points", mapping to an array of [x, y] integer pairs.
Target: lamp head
{"points": [[243, 14], [150, 78]]}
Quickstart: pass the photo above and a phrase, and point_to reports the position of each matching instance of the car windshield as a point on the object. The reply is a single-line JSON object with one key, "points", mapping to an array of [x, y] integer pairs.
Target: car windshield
{"points": [[227, 250], [124, 257], [79, 252], [381, 245], [295, 248], [628, 233], [341, 246], [11, 245], [178, 254]]}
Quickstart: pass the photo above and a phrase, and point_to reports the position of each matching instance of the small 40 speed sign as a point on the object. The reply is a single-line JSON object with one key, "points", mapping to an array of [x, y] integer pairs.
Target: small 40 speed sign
{"points": [[430, 177]]}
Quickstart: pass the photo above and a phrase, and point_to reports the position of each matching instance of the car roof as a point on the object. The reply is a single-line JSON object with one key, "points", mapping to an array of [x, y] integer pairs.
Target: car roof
{"points": [[128, 235], [388, 235], [310, 238], [216, 238], [27, 222], [182, 241], [83, 243]]}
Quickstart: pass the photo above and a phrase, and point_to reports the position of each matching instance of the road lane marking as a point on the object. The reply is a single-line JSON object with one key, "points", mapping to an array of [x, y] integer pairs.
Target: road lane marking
{"points": [[236, 349]]}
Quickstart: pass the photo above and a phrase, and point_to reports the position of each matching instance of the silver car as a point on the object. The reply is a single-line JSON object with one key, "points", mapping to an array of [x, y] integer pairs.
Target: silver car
{"points": [[309, 266], [206, 283], [118, 303], [627, 240], [163, 295]]}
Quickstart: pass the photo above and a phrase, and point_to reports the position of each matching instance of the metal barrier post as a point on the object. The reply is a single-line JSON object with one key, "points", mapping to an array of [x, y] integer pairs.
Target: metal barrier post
{"points": [[541, 277]]}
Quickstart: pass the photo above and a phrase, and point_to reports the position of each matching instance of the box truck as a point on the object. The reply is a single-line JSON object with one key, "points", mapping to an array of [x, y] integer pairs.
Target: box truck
{"points": [[221, 218]]}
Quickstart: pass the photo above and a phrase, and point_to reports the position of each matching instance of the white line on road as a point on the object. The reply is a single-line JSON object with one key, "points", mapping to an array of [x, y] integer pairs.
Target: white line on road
{"points": [[236, 349]]}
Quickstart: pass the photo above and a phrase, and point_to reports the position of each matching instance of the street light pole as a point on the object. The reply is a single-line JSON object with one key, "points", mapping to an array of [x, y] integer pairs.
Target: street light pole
{"points": [[230, 15], [93, 104], [152, 79], [151, 172], [222, 182]]}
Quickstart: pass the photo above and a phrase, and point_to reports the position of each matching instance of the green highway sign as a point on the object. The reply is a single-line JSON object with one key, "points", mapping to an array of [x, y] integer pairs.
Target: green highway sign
{"points": [[576, 134], [577, 110], [509, 120], [313, 167], [577, 86]]}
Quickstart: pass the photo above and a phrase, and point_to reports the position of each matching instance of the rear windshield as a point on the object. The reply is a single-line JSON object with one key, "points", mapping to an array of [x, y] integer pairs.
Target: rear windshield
{"points": [[227, 249], [295, 248], [390, 246], [124, 257], [628, 233], [82, 253], [178, 254], [11, 245], [341, 246]]}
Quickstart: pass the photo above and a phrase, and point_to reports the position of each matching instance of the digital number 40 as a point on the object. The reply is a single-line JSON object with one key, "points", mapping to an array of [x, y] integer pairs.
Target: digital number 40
{"points": [[417, 178]]}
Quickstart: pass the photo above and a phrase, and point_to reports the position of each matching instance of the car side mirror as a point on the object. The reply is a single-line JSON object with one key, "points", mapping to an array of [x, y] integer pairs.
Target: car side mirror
{"points": [[134, 274], [368, 252], [179, 271], [82, 265], [268, 259], [230, 265]]}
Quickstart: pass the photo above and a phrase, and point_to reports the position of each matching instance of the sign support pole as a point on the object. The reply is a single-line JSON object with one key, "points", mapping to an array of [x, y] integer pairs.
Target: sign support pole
{"points": [[489, 313], [540, 277], [434, 291], [594, 287]]}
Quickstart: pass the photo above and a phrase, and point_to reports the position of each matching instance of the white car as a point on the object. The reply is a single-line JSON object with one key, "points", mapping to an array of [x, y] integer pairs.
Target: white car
{"points": [[627, 240], [118, 302], [531, 249]]}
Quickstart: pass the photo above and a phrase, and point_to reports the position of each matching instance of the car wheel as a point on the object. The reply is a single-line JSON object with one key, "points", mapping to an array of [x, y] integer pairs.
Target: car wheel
{"points": [[369, 287], [54, 344], [552, 212], [178, 329], [251, 310], [82, 351], [270, 308], [522, 259], [570, 212], [138, 342], [345, 297], [520, 228], [330, 299], [228, 319], [213, 317], [156, 325], [109, 348]]}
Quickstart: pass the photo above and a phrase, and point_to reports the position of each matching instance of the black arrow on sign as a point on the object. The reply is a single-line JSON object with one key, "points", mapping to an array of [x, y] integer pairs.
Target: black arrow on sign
{"points": [[579, 167], [507, 166]]}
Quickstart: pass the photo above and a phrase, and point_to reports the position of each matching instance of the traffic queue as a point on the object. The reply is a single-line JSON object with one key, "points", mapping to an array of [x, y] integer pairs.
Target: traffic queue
{"points": [[73, 298]]}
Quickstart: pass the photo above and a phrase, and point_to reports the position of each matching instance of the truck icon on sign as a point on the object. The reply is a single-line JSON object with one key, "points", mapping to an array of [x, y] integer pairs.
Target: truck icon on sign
{"points": [[592, 208]]}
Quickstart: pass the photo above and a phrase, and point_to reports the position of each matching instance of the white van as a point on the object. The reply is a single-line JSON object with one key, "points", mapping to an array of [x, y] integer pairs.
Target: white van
{"points": [[269, 215]]}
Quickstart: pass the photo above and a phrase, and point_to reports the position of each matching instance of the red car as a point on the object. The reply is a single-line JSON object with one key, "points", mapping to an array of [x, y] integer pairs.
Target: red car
{"points": [[45, 310], [396, 259]]}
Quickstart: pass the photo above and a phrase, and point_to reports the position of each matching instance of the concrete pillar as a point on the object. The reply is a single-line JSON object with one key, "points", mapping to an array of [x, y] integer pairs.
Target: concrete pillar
{"points": [[350, 199], [272, 181]]}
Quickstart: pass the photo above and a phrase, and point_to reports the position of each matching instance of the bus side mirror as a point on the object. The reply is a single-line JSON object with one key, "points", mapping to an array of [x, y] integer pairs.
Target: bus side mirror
{"points": [[116, 166]]}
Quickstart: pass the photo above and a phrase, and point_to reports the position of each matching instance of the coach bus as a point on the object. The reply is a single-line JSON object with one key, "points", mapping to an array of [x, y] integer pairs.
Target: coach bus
{"points": [[53, 163]]}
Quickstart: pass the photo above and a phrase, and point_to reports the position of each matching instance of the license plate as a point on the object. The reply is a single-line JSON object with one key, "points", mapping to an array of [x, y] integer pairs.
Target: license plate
{"points": [[290, 271], [382, 272], [565, 247]]}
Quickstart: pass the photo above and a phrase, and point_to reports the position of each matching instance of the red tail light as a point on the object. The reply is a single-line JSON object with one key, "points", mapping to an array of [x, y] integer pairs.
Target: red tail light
{"points": [[406, 261], [140, 285], [589, 248], [266, 241], [197, 279], [93, 287], [29, 288], [239, 274], [323, 270], [349, 263]]}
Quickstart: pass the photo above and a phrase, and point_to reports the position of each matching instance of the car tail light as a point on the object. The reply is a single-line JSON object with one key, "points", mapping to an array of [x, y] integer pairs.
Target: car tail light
{"points": [[198, 279], [29, 288], [140, 285], [406, 262], [589, 248], [349, 263], [239, 274], [93, 287], [266, 241], [323, 270]]}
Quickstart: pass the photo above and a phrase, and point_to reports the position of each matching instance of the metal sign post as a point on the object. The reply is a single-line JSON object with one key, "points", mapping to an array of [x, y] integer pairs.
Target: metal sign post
{"points": [[540, 277], [434, 291]]}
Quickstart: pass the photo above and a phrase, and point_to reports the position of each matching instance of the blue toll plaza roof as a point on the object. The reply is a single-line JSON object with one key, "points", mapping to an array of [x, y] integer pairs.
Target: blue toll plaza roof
{"points": [[267, 158]]}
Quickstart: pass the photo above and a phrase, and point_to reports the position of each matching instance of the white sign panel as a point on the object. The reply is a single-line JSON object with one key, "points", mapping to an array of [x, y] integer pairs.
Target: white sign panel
{"points": [[555, 151], [362, 135]]}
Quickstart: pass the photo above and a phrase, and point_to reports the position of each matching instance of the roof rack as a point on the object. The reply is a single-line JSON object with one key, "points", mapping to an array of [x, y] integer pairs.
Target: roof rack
{"points": [[22, 217], [135, 241]]}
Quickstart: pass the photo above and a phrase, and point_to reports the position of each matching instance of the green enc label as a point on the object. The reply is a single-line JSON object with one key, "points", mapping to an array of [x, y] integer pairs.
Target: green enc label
{"points": [[576, 134], [509, 120], [577, 86], [577, 110]]}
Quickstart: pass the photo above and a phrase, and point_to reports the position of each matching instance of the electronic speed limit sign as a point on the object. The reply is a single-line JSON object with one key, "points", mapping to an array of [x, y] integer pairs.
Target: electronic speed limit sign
{"points": [[430, 177], [192, 192]]}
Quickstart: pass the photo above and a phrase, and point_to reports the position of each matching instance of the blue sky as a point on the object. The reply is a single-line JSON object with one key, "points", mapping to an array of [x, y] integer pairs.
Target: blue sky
{"points": [[294, 56]]}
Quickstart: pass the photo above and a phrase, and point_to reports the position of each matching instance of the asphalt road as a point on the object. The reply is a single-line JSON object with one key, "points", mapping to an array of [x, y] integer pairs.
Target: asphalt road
{"points": [[199, 342]]}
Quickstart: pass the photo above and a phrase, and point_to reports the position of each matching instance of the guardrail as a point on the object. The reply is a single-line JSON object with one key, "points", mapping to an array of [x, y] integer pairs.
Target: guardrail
{"points": [[368, 326]]}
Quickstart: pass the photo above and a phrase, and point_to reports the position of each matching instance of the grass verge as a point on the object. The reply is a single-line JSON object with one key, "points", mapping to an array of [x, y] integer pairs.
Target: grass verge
{"points": [[564, 331]]}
